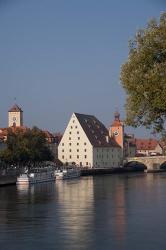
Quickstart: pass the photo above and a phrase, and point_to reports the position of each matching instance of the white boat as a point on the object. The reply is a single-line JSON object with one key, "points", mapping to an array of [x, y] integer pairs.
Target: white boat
{"points": [[36, 176], [68, 173]]}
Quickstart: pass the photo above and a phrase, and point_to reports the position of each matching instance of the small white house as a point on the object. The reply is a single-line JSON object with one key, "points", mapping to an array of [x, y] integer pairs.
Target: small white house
{"points": [[86, 142]]}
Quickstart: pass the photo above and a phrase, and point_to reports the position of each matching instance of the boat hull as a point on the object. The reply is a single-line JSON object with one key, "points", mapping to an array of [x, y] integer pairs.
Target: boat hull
{"points": [[34, 178]]}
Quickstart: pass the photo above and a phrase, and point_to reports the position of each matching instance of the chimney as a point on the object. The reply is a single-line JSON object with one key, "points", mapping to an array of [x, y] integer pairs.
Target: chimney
{"points": [[107, 138]]}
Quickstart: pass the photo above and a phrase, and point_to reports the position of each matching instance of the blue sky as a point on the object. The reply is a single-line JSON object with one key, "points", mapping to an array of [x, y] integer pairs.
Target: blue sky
{"points": [[64, 56]]}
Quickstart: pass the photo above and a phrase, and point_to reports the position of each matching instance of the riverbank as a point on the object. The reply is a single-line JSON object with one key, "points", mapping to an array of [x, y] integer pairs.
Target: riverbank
{"points": [[7, 180], [120, 170]]}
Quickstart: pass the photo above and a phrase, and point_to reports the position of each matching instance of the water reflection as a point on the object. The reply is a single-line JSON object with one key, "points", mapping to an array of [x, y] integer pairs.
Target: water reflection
{"points": [[102, 212], [76, 211]]}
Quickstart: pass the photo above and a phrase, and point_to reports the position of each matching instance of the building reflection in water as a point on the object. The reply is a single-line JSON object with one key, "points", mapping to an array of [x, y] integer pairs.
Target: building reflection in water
{"points": [[76, 210]]}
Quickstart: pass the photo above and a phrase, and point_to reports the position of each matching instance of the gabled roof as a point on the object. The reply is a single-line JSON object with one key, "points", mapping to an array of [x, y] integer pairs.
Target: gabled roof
{"points": [[15, 108], [96, 132], [146, 144]]}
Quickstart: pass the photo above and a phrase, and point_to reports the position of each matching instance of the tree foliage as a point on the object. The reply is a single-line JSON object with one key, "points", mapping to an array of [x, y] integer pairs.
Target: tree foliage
{"points": [[26, 147], [143, 77]]}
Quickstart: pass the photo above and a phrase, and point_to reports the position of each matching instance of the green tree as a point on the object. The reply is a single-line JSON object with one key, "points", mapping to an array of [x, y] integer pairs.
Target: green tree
{"points": [[26, 147], [143, 77]]}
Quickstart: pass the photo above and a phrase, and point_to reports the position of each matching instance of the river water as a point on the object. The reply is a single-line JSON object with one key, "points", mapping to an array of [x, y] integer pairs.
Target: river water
{"points": [[103, 212]]}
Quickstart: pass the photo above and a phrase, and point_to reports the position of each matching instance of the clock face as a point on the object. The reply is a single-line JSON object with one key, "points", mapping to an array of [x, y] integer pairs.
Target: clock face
{"points": [[116, 133], [14, 118]]}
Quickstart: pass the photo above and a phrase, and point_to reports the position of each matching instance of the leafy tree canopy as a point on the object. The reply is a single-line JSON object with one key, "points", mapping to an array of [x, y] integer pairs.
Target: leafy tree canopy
{"points": [[143, 77], [25, 147]]}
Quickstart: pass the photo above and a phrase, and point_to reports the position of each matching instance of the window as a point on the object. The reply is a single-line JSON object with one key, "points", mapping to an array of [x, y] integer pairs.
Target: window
{"points": [[70, 132], [69, 138], [78, 138], [71, 127], [77, 150], [73, 121], [77, 156], [80, 164], [85, 150], [62, 144], [69, 150], [70, 156], [84, 143], [63, 157], [75, 126], [77, 143], [70, 144], [85, 156], [87, 163], [78, 132], [62, 150]]}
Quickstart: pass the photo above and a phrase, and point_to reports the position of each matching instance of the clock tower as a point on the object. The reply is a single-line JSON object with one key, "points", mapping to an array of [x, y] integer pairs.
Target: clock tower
{"points": [[116, 130], [15, 116]]}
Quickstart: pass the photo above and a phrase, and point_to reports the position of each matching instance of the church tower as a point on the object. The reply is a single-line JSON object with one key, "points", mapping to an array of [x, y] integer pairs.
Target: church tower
{"points": [[15, 116], [116, 130]]}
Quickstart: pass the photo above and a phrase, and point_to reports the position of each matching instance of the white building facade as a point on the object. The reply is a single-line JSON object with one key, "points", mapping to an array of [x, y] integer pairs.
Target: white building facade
{"points": [[86, 143]]}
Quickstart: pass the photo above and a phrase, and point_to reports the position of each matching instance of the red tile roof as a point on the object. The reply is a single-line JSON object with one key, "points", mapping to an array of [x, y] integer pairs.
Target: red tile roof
{"points": [[4, 132], [95, 131], [146, 144]]}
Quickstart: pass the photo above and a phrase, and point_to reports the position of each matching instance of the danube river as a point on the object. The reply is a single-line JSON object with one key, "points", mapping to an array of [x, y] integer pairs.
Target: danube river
{"points": [[103, 212]]}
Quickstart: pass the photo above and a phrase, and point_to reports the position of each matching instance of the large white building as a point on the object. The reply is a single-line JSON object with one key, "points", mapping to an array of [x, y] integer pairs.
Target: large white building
{"points": [[86, 142]]}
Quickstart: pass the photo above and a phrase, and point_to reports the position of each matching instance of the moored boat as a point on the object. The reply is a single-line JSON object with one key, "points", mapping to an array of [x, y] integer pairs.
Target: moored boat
{"points": [[68, 173], [37, 175]]}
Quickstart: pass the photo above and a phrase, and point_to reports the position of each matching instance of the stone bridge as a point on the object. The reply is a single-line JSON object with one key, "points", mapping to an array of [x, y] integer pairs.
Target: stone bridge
{"points": [[150, 162]]}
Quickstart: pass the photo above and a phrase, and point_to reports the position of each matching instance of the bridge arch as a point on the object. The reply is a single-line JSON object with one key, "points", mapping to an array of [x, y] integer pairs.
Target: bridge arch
{"points": [[137, 164], [152, 163], [163, 165]]}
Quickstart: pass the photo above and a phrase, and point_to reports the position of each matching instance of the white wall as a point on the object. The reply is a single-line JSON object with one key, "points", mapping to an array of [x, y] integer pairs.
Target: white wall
{"points": [[75, 135], [15, 117]]}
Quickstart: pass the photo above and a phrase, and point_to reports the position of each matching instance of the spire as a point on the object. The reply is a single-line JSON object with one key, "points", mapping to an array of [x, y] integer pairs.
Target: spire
{"points": [[117, 116]]}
